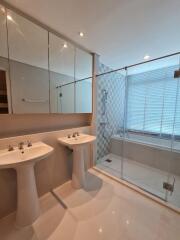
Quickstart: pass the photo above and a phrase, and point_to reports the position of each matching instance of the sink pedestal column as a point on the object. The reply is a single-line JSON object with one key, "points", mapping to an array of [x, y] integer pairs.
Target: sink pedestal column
{"points": [[27, 198], [78, 174]]}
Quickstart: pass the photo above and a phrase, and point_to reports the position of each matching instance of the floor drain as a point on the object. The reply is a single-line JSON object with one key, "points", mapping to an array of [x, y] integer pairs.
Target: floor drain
{"points": [[108, 160]]}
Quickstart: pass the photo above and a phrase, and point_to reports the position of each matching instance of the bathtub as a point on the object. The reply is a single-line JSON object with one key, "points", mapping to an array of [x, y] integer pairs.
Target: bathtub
{"points": [[151, 141], [148, 150]]}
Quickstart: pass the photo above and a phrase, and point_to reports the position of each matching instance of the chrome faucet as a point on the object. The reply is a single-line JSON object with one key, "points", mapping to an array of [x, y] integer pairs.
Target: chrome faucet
{"points": [[29, 143], [75, 134], [10, 148], [21, 145]]}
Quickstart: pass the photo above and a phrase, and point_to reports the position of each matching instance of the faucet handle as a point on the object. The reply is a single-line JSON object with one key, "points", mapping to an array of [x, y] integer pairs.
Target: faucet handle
{"points": [[20, 145], [10, 148], [75, 134], [29, 143]]}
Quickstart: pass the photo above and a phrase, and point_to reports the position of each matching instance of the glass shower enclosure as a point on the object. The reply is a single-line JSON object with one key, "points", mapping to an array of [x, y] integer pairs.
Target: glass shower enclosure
{"points": [[138, 126]]}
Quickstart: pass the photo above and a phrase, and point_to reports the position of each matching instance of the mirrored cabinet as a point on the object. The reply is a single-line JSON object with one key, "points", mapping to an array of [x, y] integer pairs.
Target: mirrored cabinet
{"points": [[28, 58], [83, 86], [5, 95], [62, 69], [39, 71]]}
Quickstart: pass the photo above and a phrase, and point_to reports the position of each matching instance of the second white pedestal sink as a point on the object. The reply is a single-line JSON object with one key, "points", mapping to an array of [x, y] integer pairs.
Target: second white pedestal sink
{"points": [[78, 144], [23, 162]]}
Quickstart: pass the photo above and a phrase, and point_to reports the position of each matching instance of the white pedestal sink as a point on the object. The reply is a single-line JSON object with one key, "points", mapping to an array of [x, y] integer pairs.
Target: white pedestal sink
{"points": [[23, 162], [78, 144]]}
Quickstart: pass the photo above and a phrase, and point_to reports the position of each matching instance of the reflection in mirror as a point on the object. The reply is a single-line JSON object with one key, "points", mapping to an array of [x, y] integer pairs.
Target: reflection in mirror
{"points": [[5, 106], [3, 33], [38, 73], [84, 96], [83, 89], [28, 43], [83, 67], [65, 98], [28, 53], [30, 88], [61, 64], [3, 93], [61, 58]]}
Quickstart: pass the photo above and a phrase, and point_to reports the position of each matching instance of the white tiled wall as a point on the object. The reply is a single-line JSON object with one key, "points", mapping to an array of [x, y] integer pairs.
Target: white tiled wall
{"points": [[114, 84]]}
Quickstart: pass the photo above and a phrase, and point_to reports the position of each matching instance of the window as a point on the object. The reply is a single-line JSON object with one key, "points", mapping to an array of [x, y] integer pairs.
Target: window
{"points": [[153, 103]]}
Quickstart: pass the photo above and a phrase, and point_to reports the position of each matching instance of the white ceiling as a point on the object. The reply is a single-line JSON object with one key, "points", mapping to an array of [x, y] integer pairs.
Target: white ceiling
{"points": [[120, 31]]}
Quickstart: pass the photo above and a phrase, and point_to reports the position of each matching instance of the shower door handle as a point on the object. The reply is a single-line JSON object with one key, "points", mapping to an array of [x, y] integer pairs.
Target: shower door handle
{"points": [[169, 187], [174, 180]]}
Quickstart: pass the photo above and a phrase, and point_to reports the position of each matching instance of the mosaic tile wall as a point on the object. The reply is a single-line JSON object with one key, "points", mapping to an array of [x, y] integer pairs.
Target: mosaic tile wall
{"points": [[109, 122]]}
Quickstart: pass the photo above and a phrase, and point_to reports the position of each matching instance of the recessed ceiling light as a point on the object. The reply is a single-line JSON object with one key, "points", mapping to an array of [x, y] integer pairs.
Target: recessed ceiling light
{"points": [[81, 34], [146, 57], [9, 17], [127, 222], [65, 45]]}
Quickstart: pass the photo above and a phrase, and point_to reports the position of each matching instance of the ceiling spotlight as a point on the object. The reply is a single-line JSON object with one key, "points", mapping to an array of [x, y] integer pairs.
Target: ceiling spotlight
{"points": [[65, 45], [9, 17], [127, 222], [81, 34], [146, 57]]}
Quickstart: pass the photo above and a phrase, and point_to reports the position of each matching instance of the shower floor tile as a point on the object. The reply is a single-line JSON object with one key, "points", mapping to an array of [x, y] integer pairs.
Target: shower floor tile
{"points": [[149, 178], [103, 210]]}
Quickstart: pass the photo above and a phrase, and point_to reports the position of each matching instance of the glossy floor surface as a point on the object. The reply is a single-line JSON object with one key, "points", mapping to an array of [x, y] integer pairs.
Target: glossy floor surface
{"points": [[149, 178], [104, 210]]}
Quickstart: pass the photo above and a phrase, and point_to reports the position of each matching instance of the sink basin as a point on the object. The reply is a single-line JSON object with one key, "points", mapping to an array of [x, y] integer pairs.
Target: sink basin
{"points": [[23, 162], [16, 158], [78, 144], [80, 140]]}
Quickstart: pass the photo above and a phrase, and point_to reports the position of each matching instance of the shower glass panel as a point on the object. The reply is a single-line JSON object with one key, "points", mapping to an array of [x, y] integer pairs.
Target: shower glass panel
{"points": [[138, 126], [149, 120], [174, 168]]}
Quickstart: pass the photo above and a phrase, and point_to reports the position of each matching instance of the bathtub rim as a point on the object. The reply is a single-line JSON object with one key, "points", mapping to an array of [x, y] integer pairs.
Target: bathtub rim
{"points": [[149, 144]]}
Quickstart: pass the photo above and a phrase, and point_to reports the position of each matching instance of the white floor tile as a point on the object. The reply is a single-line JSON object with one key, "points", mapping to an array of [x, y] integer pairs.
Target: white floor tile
{"points": [[103, 210], [146, 177]]}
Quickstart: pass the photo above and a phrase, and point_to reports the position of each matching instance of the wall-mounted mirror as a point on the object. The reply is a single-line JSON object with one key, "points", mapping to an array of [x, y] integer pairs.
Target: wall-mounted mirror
{"points": [[3, 35], [83, 96], [83, 67], [83, 86], [28, 57], [5, 101], [70, 77], [39, 71], [61, 65]]}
